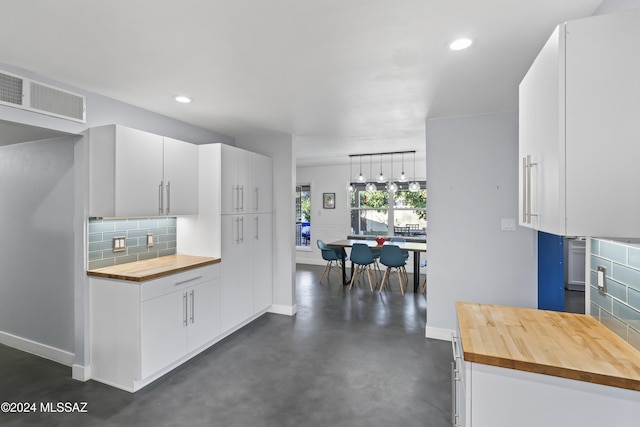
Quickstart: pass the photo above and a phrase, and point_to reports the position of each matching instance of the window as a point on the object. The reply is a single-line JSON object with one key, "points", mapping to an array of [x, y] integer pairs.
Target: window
{"points": [[402, 213], [303, 215]]}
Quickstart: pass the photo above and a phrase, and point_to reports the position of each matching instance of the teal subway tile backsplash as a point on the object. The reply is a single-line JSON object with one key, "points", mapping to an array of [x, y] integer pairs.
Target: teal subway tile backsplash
{"points": [[619, 308], [100, 234], [613, 251]]}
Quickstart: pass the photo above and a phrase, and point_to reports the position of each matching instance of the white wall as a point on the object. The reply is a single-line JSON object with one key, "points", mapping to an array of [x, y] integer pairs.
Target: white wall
{"points": [[326, 224], [472, 183], [36, 225], [280, 148]]}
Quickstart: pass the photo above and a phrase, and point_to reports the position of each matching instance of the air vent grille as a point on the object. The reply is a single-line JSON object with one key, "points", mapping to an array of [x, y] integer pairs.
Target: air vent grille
{"points": [[10, 89], [26, 94], [56, 101]]}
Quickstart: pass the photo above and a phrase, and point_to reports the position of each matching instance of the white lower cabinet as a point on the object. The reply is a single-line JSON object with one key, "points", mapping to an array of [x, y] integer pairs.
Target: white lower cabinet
{"points": [[140, 331], [491, 396], [246, 267]]}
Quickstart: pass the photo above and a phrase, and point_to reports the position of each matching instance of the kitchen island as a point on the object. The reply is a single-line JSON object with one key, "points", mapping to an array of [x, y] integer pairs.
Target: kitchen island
{"points": [[527, 367]]}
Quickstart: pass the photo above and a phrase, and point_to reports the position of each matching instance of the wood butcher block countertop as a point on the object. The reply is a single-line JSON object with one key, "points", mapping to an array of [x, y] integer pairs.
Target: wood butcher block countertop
{"points": [[141, 271], [567, 345]]}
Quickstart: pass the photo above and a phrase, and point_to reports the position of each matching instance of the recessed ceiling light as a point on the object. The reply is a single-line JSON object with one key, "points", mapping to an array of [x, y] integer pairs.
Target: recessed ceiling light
{"points": [[183, 99], [460, 44]]}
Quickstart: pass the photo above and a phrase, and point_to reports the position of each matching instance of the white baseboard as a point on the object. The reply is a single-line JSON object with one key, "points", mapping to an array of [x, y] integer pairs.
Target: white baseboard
{"points": [[81, 373], [33, 347], [438, 333], [287, 310]]}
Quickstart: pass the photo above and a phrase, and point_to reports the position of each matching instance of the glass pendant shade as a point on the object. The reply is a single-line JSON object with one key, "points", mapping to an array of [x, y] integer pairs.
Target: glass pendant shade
{"points": [[402, 177], [392, 187], [370, 187], [414, 186], [381, 178]]}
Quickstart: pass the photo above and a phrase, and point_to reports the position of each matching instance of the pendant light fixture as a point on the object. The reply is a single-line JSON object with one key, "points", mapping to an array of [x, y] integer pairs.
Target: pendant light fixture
{"points": [[392, 187], [361, 178], [381, 177], [414, 186], [370, 185], [350, 184], [403, 177]]}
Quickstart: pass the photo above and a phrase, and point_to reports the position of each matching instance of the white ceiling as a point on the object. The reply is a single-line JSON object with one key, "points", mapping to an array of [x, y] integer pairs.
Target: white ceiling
{"points": [[344, 76]]}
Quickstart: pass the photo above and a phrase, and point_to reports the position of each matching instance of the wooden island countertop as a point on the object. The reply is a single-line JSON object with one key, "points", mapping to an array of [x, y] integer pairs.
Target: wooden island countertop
{"points": [[154, 268], [573, 346]]}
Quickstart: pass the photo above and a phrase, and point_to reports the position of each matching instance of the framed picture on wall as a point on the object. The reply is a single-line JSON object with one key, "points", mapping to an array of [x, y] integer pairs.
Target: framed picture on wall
{"points": [[329, 200]]}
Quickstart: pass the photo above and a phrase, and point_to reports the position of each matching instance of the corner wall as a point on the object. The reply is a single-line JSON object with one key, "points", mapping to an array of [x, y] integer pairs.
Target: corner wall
{"points": [[472, 183]]}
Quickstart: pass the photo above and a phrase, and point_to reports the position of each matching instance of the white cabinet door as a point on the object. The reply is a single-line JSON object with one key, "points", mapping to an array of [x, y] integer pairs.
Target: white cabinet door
{"points": [[237, 180], [262, 262], [231, 263], [163, 331], [245, 181], [244, 272], [263, 184], [180, 177], [138, 172], [579, 128], [541, 143], [204, 313]]}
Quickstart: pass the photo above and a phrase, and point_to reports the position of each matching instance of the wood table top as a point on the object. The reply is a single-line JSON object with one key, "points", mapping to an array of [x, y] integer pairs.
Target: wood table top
{"points": [[409, 246], [566, 345], [154, 268]]}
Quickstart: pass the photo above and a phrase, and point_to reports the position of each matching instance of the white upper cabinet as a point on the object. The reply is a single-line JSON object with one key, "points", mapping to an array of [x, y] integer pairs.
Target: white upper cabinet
{"points": [[180, 177], [246, 182], [135, 173], [579, 130], [262, 184]]}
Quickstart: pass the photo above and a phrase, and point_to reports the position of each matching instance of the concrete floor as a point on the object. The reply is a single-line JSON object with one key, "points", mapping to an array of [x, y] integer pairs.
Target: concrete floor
{"points": [[348, 358]]}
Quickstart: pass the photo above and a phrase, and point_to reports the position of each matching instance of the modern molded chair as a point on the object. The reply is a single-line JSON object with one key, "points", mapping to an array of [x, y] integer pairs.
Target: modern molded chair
{"points": [[392, 258], [423, 289], [401, 240], [362, 257], [331, 254], [376, 256]]}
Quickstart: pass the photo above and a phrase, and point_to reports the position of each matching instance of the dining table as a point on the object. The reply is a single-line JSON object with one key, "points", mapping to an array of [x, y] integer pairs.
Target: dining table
{"points": [[415, 247]]}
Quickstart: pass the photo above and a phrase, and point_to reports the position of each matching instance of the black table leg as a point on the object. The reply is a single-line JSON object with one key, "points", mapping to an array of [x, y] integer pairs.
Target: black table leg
{"points": [[416, 271]]}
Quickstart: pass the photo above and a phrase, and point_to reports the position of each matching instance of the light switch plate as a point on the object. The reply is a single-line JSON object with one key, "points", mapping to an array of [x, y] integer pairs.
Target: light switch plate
{"points": [[508, 224], [602, 282], [150, 240]]}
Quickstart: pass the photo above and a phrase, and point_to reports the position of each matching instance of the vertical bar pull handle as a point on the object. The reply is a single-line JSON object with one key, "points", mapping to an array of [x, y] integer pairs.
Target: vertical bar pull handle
{"points": [[160, 201], [528, 189], [257, 228], [242, 198], [237, 231], [193, 315], [168, 197], [524, 190], [257, 199], [242, 228], [184, 300]]}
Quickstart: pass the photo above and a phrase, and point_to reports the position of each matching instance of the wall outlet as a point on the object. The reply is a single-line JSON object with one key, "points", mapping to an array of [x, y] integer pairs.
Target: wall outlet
{"points": [[602, 282], [119, 244], [149, 240]]}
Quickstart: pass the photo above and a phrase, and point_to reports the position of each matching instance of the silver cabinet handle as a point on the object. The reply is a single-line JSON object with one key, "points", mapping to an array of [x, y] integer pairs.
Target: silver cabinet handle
{"points": [[257, 197], [237, 239], [524, 190], [160, 197], [242, 228], [184, 309], [241, 208], [168, 197], [454, 346], [454, 395], [257, 229], [193, 315], [187, 281]]}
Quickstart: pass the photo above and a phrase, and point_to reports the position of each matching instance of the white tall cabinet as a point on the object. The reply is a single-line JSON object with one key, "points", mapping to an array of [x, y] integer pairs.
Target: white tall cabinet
{"points": [[246, 228], [579, 130], [136, 173]]}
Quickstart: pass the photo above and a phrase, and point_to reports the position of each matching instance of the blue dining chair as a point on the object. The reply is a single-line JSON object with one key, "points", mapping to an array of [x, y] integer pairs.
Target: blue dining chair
{"points": [[391, 256], [362, 257], [331, 254], [405, 254], [376, 256]]}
